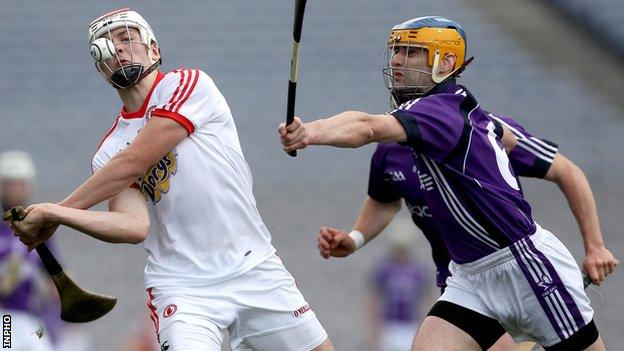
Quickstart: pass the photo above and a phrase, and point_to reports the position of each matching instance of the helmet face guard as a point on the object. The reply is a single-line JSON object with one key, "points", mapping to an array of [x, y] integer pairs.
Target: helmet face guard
{"points": [[436, 37], [402, 81], [128, 74]]}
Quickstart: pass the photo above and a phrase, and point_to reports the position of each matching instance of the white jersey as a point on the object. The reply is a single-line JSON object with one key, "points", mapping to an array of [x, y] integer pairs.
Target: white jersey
{"points": [[205, 227]]}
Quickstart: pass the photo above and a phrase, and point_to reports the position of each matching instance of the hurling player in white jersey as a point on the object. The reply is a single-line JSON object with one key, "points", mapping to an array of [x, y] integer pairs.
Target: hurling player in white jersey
{"points": [[174, 175]]}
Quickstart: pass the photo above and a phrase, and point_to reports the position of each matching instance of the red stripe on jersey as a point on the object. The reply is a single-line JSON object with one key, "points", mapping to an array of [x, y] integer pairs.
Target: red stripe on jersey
{"points": [[152, 308], [188, 92], [110, 131], [185, 122], [179, 89]]}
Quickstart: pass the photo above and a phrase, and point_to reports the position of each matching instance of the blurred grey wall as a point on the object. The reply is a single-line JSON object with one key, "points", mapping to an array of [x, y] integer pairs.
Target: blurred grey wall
{"points": [[57, 107]]}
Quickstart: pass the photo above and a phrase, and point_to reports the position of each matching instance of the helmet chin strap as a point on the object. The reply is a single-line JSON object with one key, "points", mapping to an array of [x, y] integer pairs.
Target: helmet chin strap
{"points": [[131, 75]]}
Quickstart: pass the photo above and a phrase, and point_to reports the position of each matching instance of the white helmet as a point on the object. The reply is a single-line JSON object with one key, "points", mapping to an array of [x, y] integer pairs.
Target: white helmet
{"points": [[128, 75], [16, 165], [118, 18]]}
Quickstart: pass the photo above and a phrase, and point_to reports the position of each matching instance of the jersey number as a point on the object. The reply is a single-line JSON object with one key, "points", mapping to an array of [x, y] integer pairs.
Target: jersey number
{"points": [[501, 159]]}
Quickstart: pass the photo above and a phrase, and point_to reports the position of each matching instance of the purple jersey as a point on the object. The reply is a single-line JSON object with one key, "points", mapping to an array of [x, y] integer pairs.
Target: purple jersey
{"points": [[469, 186], [394, 175], [401, 287], [17, 265], [29, 289]]}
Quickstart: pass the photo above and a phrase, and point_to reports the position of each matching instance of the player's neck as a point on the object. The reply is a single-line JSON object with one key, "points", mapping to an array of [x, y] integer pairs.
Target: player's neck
{"points": [[133, 97]]}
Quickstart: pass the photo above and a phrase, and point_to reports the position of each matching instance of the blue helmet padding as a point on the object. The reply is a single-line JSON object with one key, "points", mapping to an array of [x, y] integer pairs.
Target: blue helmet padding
{"points": [[431, 22]]}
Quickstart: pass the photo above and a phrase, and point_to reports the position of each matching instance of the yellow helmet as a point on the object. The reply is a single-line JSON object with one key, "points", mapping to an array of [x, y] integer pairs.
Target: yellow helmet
{"points": [[439, 36]]}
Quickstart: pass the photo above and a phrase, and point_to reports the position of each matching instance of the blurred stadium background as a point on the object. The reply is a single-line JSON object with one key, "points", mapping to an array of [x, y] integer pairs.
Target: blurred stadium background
{"points": [[555, 65]]}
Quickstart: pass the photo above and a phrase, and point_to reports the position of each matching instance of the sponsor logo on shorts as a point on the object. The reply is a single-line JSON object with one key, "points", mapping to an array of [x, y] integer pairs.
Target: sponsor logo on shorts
{"points": [[547, 286], [170, 310], [301, 310]]}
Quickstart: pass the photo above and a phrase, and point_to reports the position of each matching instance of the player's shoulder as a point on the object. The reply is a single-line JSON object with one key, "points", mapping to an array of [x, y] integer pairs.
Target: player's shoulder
{"points": [[434, 103], [182, 79], [516, 128]]}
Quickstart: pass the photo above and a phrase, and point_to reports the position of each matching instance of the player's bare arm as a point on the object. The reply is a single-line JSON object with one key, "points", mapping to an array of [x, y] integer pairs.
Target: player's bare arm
{"points": [[127, 220], [599, 261], [508, 140], [372, 220], [349, 129], [156, 139]]}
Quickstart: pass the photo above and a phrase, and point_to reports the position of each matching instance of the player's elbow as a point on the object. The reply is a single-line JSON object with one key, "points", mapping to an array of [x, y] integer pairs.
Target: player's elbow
{"points": [[365, 132], [564, 171], [140, 231]]}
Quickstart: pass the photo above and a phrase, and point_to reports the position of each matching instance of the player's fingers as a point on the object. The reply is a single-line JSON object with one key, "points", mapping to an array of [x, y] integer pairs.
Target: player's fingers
{"points": [[323, 252], [326, 236], [593, 274], [30, 208], [281, 129], [321, 248], [333, 231], [334, 242], [294, 125], [17, 228], [294, 148], [600, 273], [324, 244], [326, 232], [295, 136], [610, 266], [297, 146]]}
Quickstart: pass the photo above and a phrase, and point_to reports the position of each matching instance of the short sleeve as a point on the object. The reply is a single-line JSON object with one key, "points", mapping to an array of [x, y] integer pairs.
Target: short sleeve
{"points": [[104, 154], [101, 156], [190, 97], [380, 186], [532, 156], [97, 163], [433, 128]]}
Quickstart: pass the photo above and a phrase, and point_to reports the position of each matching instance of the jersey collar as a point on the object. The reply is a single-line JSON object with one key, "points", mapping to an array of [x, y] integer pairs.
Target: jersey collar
{"points": [[141, 112], [441, 88]]}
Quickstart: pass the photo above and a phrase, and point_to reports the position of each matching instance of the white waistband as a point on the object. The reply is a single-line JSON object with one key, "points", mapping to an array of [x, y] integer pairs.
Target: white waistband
{"points": [[500, 256]]}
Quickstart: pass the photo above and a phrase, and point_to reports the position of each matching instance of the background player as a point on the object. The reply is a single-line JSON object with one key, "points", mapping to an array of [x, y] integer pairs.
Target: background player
{"points": [[400, 293], [171, 166], [474, 191], [25, 291]]}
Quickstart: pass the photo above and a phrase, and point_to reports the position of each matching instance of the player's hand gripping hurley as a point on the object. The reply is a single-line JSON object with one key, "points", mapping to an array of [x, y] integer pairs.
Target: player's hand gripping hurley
{"points": [[77, 305], [292, 82]]}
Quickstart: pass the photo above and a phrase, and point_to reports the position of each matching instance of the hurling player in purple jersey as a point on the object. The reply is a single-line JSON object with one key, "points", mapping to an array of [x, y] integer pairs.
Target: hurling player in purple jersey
{"points": [[394, 177], [505, 268]]}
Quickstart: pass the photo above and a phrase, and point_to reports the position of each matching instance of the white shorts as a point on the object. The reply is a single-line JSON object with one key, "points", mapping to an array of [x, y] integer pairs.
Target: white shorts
{"points": [[262, 310], [534, 288]]}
